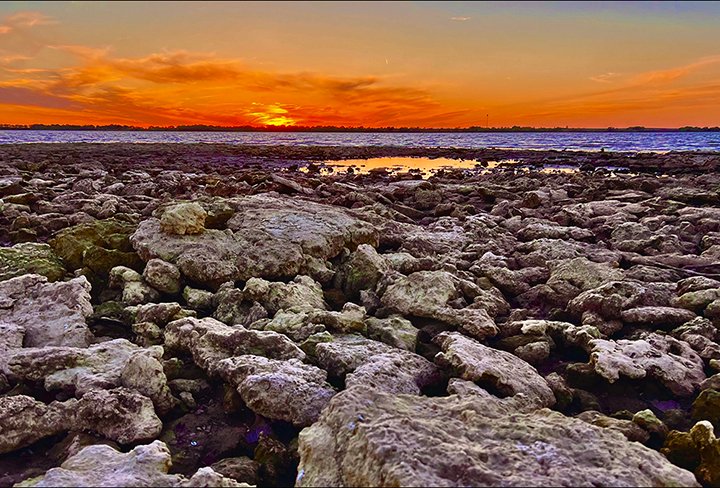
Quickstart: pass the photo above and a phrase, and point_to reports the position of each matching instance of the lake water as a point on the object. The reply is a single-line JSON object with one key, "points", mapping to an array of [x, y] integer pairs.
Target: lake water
{"points": [[592, 141]]}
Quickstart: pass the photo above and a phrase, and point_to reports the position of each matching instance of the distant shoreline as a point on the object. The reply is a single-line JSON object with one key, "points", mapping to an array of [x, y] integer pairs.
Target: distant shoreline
{"points": [[196, 128]]}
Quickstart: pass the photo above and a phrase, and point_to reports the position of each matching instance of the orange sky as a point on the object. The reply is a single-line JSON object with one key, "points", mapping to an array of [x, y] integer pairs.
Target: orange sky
{"points": [[427, 64]]}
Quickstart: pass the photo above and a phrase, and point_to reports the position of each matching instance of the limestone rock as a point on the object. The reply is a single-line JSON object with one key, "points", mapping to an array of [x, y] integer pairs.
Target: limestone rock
{"points": [[52, 314], [428, 293], [658, 317], [183, 218], [503, 372], [370, 438], [670, 361], [24, 420], [101, 465], [163, 276], [282, 390], [101, 366], [697, 450], [99, 245], [134, 289], [362, 271], [121, 414], [570, 277], [358, 360], [393, 330], [269, 237], [628, 428], [209, 341], [303, 293], [30, 258]]}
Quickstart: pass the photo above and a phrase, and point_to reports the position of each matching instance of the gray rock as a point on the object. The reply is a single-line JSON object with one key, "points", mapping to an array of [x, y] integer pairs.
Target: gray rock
{"points": [[394, 330], [52, 314], [370, 438], [281, 390], [107, 365], [163, 276], [210, 341], [503, 372], [428, 293], [672, 362], [100, 465], [183, 218]]}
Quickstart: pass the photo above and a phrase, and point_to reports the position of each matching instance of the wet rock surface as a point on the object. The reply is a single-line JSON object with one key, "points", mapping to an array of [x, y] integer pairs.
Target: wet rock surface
{"points": [[208, 315]]}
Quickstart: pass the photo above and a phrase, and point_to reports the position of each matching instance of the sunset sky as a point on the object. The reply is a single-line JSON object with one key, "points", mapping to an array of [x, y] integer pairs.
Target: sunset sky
{"points": [[428, 64]]}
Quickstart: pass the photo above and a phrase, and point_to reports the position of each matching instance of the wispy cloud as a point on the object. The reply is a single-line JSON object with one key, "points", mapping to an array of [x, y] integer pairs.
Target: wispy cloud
{"points": [[605, 77], [460, 19], [187, 87]]}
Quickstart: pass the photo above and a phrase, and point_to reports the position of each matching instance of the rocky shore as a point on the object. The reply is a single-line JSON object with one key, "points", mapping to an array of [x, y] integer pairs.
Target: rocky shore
{"points": [[208, 315]]}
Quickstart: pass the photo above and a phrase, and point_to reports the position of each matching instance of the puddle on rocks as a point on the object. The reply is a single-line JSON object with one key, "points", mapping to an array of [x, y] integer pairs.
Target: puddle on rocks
{"points": [[426, 167]]}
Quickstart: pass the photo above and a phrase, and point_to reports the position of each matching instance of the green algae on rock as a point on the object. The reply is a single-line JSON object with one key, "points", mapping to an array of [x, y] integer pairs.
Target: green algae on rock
{"points": [[30, 258]]}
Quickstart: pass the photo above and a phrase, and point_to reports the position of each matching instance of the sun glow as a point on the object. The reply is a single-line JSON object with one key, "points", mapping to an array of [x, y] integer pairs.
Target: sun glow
{"points": [[271, 115]]}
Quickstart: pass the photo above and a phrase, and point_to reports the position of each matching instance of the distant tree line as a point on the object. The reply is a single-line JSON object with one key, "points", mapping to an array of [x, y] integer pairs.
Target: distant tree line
{"points": [[332, 128]]}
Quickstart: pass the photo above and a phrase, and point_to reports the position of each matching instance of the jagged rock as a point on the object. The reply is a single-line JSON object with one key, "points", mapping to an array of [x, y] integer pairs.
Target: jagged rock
{"points": [[350, 319], [99, 246], [30, 258], [208, 478], [209, 341], [11, 337], [144, 373], [702, 336], [303, 293], [369, 438], [697, 451], [101, 465], [345, 353], [670, 361], [705, 407], [269, 237], [697, 300], [662, 317], [396, 372], [603, 306], [241, 469], [24, 420], [281, 390], [501, 371], [183, 218], [163, 276], [198, 299], [428, 293], [161, 313], [361, 271], [628, 428], [296, 325], [134, 289], [363, 361], [120, 414], [393, 330], [52, 314], [101, 366]]}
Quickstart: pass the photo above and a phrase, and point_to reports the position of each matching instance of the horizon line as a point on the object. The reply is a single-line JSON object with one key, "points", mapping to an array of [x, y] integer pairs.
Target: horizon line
{"points": [[334, 128]]}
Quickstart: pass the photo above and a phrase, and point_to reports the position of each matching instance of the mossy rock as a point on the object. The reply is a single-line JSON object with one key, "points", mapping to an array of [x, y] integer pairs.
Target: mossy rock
{"points": [[72, 243], [707, 407], [101, 260], [30, 257]]}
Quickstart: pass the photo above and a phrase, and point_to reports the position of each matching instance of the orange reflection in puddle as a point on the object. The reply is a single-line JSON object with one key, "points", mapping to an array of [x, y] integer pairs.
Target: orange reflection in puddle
{"points": [[424, 166]]}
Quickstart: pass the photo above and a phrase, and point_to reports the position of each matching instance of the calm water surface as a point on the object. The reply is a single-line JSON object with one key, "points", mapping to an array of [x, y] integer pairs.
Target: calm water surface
{"points": [[593, 141]]}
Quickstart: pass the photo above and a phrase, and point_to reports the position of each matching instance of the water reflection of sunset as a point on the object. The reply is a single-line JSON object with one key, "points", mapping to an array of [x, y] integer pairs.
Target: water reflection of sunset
{"points": [[401, 165]]}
